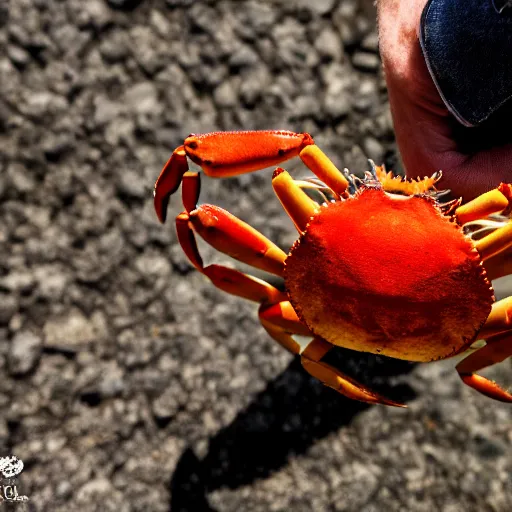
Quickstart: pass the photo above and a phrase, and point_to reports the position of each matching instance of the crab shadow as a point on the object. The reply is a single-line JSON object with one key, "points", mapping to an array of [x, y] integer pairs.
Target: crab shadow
{"points": [[283, 420]]}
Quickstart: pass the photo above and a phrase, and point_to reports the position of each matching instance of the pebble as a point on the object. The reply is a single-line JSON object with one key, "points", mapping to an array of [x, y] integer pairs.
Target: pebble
{"points": [[373, 149], [24, 353], [142, 98], [21, 178], [328, 44], [19, 57], [70, 331], [132, 184], [318, 7], [243, 56], [8, 306], [366, 61], [225, 95]]}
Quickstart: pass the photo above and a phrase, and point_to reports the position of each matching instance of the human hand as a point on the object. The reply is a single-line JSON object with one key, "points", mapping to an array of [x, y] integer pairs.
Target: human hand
{"points": [[473, 160]]}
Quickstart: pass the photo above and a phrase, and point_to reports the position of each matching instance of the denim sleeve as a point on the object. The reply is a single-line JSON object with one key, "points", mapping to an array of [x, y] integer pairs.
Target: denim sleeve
{"points": [[467, 46]]}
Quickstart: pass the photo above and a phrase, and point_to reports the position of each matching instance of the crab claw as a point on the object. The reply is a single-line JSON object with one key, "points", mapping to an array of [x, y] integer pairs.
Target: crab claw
{"points": [[169, 181]]}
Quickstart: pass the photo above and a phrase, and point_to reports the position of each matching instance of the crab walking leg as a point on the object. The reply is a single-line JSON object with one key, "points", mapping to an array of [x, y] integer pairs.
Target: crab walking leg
{"points": [[190, 190], [228, 234], [496, 242], [227, 279], [281, 322], [231, 236], [498, 349], [494, 201], [295, 201], [499, 319], [318, 162], [345, 385]]}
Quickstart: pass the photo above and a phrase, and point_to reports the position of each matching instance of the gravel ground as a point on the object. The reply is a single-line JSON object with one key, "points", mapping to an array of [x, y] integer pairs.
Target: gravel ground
{"points": [[127, 381]]}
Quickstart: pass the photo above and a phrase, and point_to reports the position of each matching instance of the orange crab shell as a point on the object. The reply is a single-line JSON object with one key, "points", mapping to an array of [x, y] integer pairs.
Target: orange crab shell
{"points": [[391, 275]]}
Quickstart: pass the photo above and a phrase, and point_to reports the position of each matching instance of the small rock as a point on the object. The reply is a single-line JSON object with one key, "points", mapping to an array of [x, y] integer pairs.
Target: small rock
{"points": [[159, 23], [225, 96], [51, 282], [8, 306], [337, 98], [153, 266], [40, 104], [305, 106], [19, 57], [244, 55], [371, 43], [166, 405], [142, 98], [115, 47], [204, 17], [366, 96], [97, 491], [105, 110], [69, 331], [366, 61], [16, 322], [56, 146], [18, 281], [96, 13], [328, 45], [20, 178], [132, 184], [337, 104], [373, 149], [64, 489], [25, 352], [318, 7]]}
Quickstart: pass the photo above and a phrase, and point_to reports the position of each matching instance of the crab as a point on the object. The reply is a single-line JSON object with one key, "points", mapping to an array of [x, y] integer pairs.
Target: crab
{"points": [[381, 264]]}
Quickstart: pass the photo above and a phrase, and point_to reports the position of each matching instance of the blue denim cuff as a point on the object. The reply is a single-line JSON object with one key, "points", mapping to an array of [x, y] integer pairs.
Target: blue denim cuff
{"points": [[467, 46]]}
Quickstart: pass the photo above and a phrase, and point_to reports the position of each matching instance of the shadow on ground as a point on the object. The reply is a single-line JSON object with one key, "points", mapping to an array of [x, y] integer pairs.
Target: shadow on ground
{"points": [[284, 419]]}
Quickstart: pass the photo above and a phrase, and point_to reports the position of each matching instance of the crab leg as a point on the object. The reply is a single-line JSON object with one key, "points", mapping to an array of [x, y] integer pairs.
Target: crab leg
{"points": [[227, 279], [228, 234], [281, 322], [223, 154], [233, 237], [495, 242], [494, 201], [345, 385], [320, 164], [295, 201], [499, 319], [498, 349]]}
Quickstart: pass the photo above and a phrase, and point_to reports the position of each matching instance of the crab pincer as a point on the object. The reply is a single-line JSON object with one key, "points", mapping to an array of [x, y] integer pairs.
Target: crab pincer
{"points": [[224, 154]]}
